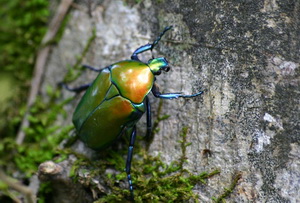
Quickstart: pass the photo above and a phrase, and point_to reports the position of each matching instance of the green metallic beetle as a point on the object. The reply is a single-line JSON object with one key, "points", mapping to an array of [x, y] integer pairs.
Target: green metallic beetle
{"points": [[117, 99]]}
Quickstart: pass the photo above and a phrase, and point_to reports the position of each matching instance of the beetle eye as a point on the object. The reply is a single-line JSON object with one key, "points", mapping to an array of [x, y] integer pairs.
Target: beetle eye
{"points": [[158, 72], [167, 68]]}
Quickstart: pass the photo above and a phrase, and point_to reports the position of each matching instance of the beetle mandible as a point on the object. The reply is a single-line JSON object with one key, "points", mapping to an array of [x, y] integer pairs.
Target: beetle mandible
{"points": [[115, 101]]}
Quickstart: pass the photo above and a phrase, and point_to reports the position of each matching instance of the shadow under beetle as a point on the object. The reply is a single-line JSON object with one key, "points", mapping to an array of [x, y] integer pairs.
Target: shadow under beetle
{"points": [[115, 101]]}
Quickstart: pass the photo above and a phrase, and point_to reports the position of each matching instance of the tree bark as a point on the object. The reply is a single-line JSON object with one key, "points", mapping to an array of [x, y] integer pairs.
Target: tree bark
{"points": [[244, 55]]}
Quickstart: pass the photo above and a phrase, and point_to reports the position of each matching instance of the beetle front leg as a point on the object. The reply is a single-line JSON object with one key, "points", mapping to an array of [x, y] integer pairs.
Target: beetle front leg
{"points": [[149, 46], [129, 159], [157, 93], [140, 50]]}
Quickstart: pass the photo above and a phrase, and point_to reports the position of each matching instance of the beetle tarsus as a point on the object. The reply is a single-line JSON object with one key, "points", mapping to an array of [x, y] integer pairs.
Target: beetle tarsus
{"points": [[176, 95], [192, 95], [157, 93]]}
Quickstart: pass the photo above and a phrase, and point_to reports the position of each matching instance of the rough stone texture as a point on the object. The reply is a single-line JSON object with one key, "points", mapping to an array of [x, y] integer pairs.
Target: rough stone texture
{"points": [[64, 188], [243, 54]]}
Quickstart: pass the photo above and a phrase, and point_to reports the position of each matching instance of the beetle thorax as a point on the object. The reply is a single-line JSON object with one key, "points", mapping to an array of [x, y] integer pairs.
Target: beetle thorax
{"points": [[134, 79]]}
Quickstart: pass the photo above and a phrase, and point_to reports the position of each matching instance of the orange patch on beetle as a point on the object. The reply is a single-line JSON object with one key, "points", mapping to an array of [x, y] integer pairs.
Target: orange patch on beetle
{"points": [[133, 78]]}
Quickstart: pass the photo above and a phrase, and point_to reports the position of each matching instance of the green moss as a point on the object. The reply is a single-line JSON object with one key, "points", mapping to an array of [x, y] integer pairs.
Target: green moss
{"points": [[42, 141], [183, 145], [23, 25], [228, 191], [22, 28], [43, 135], [45, 192], [154, 180], [132, 2]]}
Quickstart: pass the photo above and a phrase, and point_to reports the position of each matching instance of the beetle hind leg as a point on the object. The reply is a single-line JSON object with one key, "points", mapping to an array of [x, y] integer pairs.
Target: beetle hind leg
{"points": [[129, 159], [92, 68], [75, 89]]}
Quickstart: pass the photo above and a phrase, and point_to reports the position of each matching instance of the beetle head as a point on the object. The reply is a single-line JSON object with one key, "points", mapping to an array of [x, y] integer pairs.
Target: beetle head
{"points": [[158, 64]]}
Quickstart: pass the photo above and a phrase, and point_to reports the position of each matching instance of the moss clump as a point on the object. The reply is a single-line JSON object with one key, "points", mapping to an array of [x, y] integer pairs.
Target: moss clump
{"points": [[154, 181], [41, 142], [23, 25], [228, 191], [42, 138], [22, 28]]}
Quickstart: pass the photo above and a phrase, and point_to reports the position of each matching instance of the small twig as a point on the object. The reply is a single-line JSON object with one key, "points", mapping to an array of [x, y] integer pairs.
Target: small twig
{"points": [[40, 63], [16, 185]]}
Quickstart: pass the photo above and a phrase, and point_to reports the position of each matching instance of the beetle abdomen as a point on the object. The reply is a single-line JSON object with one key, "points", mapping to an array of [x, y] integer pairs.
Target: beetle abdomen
{"points": [[107, 121]]}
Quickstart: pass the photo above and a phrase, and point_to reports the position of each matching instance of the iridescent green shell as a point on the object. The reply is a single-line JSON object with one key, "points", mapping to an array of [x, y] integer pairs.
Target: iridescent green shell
{"points": [[113, 102]]}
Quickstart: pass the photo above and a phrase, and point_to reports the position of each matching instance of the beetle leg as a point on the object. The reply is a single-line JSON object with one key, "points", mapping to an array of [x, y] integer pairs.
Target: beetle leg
{"points": [[92, 68], [160, 36], [157, 93], [140, 50], [76, 89], [149, 46], [129, 159], [149, 122]]}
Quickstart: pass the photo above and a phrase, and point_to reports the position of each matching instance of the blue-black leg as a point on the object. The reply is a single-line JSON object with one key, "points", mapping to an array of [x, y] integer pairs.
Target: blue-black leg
{"points": [[129, 159], [160, 36], [149, 46], [76, 89], [149, 119], [156, 93], [92, 68]]}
